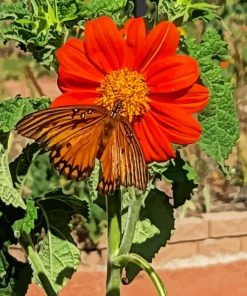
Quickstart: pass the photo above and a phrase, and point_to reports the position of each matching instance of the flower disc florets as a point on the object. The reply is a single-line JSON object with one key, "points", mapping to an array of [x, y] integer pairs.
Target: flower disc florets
{"points": [[127, 86]]}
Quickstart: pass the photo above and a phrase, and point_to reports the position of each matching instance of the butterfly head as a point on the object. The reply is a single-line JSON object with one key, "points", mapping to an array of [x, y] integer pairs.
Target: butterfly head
{"points": [[117, 108]]}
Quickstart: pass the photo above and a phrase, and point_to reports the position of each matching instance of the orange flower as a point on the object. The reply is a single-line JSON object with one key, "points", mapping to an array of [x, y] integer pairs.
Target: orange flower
{"points": [[156, 85], [224, 64]]}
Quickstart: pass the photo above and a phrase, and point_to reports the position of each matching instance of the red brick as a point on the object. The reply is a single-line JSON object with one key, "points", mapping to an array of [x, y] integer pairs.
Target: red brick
{"points": [[34, 290], [190, 229], [49, 86], [243, 243], [227, 224], [92, 261], [215, 280], [17, 252], [225, 245], [175, 251]]}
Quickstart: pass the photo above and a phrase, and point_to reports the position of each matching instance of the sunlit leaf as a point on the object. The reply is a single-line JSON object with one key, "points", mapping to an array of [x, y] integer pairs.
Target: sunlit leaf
{"points": [[58, 253], [60, 258], [219, 119], [8, 194], [26, 224], [14, 109]]}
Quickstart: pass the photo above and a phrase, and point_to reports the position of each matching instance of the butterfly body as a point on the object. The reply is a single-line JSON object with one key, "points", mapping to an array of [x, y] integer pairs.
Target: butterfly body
{"points": [[76, 136]]}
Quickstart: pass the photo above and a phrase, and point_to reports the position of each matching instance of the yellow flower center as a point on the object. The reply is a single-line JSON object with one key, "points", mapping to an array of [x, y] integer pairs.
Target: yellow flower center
{"points": [[127, 86]]}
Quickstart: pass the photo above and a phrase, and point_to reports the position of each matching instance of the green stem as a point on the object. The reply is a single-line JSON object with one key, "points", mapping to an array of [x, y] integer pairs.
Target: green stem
{"points": [[37, 264], [133, 215], [113, 207], [123, 260]]}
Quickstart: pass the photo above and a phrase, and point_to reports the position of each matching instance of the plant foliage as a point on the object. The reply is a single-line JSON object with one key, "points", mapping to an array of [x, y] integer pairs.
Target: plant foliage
{"points": [[40, 27], [219, 118]]}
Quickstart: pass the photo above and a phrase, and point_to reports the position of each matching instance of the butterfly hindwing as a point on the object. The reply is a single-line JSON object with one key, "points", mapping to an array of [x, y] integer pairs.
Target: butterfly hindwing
{"points": [[122, 160], [76, 158]]}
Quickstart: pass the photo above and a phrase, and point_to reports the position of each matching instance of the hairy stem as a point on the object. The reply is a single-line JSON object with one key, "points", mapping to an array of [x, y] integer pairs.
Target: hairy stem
{"points": [[37, 264], [113, 204], [133, 216], [123, 260]]}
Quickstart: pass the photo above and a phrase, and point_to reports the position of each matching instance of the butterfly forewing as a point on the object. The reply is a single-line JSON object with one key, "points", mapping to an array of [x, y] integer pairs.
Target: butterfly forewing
{"points": [[41, 123], [72, 135]]}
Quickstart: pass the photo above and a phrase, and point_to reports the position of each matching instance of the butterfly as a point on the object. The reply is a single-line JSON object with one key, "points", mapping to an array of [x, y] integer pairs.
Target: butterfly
{"points": [[77, 135]]}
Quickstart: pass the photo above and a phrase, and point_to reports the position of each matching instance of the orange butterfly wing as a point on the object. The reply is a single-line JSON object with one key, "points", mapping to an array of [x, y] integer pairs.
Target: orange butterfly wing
{"points": [[72, 134], [75, 136], [122, 159]]}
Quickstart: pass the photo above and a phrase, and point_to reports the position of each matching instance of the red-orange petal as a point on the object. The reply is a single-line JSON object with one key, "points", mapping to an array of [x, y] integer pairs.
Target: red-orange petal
{"points": [[191, 100], [134, 33], [104, 44], [162, 41], [179, 127], [155, 145], [172, 74], [75, 98], [75, 70]]}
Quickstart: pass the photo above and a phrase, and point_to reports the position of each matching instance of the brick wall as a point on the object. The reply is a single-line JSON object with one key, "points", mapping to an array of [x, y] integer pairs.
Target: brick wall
{"points": [[212, 234]]}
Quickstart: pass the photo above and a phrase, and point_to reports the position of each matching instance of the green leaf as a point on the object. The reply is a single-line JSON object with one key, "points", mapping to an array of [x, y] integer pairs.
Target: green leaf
{"points": [[93, 215], [58, 252], [183, 178], [96, 222], [59, 257], [157, 168], [171, 10], [219, 118], [160, 214], [13, 110], [144, 230], [93, 181], [8, 194], [27, 223], [20, 166], [12, 11], [43, 28], [41, 177], [7, 290], [181, 11], [58, 200]]}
